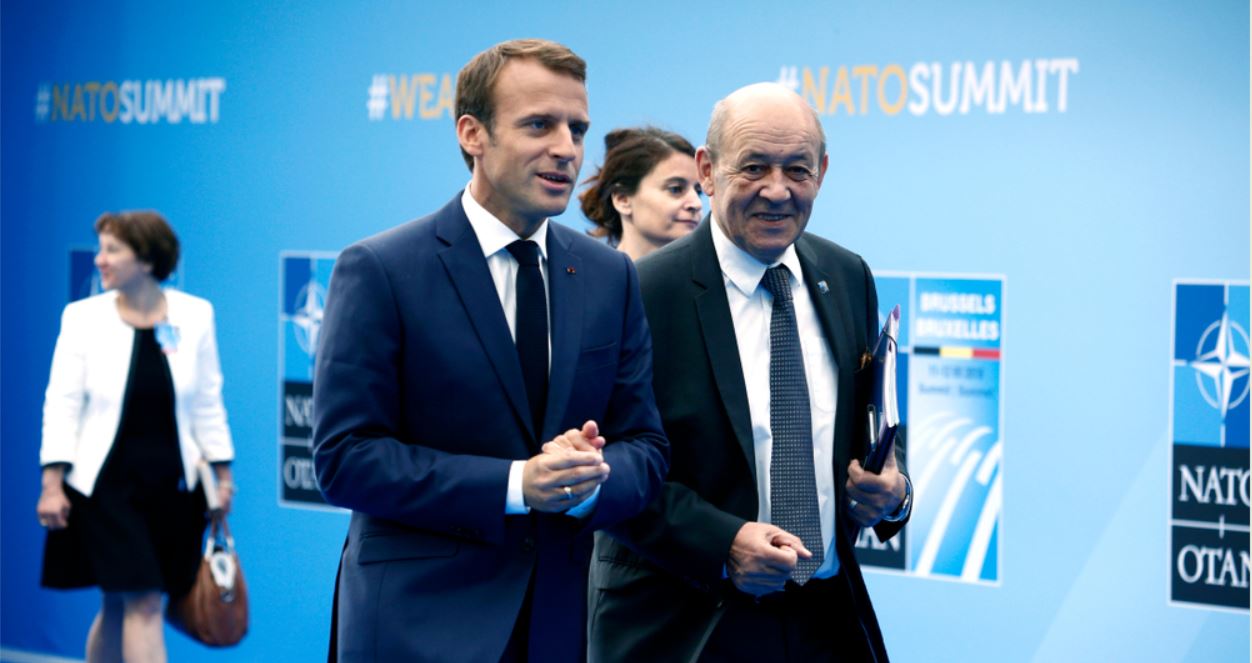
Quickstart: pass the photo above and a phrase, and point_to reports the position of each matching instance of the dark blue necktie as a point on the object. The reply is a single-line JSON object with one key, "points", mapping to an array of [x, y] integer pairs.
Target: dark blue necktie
{"points": [[531, 328], [792, 484]]}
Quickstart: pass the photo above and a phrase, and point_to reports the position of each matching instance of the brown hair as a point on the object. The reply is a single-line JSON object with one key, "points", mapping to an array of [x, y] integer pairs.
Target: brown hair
{"points": [[147, 234], [629, 155], [477, 79]]}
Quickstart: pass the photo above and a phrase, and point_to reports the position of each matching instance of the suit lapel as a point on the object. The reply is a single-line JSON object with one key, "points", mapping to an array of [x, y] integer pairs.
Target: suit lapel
{"points": [[467, 269], [713, 309], [833, 311], [565, 289], [827, 291], [182, 359]]}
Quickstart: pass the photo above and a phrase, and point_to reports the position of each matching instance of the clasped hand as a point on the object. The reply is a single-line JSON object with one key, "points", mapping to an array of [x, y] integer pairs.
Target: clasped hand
{"points": [[567, 471]]}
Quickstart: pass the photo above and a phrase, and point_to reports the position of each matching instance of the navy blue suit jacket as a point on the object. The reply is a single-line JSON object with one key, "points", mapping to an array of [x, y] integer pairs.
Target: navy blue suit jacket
{"points": [[419, 409]]}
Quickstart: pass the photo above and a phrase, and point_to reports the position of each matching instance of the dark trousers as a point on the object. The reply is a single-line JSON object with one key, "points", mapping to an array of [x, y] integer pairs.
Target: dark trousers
{"points": [[813, 622]]}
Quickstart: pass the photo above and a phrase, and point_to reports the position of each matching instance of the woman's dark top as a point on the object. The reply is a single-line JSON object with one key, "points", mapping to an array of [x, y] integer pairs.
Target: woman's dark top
{"points": [[140, 530]]}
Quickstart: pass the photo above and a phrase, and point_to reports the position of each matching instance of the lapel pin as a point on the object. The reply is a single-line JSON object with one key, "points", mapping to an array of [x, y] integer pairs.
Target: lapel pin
{"points": [[570, 270], [821, 285]]}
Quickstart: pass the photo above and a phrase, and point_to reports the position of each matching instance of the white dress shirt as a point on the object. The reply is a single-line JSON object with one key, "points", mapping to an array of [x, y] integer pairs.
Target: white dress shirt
{"points": [[750, 308], [494, 237]]}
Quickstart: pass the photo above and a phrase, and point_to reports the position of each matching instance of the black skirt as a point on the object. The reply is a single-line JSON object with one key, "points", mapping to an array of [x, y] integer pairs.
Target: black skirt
{"points": [[140, 530]]}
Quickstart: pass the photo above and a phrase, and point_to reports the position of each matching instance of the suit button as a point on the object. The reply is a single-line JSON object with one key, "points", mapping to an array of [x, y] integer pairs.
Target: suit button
{"points": [[528, 544]]}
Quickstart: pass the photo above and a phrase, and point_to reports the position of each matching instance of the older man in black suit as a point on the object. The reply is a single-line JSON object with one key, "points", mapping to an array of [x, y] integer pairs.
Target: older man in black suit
{"points": [[758, 336]]}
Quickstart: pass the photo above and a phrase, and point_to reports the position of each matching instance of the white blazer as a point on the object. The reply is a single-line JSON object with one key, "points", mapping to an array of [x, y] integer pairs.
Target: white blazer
{"points": [[90, 367]]}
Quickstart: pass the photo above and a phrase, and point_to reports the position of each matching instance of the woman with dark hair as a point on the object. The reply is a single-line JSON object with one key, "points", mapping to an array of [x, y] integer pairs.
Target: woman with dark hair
{"points": [[133, 407], [647, 194]]}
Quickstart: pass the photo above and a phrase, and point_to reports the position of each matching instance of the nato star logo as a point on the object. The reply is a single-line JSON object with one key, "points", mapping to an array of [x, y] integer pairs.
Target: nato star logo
{"points": [[307, 317], [1221, 364]]}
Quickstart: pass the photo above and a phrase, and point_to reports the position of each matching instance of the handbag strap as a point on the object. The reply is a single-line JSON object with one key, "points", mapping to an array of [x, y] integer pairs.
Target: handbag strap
{"points": [[230, 539], [219, 528]]}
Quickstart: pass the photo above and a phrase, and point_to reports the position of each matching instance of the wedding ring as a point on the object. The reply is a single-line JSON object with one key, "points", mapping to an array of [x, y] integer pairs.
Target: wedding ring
{"points": [[569, 494], [852, 504]]}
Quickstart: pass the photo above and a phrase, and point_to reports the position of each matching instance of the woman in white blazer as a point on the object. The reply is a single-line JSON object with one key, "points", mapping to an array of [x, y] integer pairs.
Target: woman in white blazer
{"points": [[134, 403]]}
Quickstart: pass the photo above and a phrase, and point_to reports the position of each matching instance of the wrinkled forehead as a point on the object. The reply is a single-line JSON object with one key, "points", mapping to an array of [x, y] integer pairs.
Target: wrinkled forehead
{"points": [[764, 138]]}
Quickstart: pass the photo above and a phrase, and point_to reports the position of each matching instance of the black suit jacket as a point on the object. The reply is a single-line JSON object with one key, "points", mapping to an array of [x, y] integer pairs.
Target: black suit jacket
{"points": [[657, 587]]}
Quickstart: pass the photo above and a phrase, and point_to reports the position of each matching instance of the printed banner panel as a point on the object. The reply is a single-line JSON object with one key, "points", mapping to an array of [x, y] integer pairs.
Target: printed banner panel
{"points": [[949, 377], [84, 278], [1209, 475], [304, 280]]}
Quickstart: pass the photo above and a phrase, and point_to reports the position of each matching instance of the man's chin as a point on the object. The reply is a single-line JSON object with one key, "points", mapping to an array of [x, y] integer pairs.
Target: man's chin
{"points": [[769, 248], [550, 206]]}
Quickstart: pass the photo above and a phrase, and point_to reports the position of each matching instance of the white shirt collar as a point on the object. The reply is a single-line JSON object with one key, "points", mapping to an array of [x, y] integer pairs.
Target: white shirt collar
{"points": [[492, 234], [743, 270]]}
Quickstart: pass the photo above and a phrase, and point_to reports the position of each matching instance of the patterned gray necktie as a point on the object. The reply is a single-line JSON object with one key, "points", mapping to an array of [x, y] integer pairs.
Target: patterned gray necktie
{"points": [[793, 485]]}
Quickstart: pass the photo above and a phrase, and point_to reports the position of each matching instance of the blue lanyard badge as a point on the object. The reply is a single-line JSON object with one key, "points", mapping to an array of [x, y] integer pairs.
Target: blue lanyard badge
{"points": [[167, 337]]}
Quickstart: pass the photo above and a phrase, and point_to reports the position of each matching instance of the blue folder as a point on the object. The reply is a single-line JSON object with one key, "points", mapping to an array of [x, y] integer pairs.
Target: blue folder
{"points": [[883, 411]]}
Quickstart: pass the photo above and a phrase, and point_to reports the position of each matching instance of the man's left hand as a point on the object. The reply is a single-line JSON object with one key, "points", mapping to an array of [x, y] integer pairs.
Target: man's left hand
{"points": [[586, 439], [575, 441], [872, 496]]}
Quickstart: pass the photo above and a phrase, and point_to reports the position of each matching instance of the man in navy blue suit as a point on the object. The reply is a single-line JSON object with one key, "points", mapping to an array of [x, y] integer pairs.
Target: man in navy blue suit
{"points": [[483, 396]]}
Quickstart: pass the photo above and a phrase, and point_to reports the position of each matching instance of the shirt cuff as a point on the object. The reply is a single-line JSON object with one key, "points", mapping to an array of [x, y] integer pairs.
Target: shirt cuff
{"points": [[906, 505], [514, 500], [582, 509]]}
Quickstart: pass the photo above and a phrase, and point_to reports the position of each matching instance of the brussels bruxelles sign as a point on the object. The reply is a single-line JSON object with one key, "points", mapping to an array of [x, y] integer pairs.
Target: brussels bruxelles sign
{"points": [[951, 332]]}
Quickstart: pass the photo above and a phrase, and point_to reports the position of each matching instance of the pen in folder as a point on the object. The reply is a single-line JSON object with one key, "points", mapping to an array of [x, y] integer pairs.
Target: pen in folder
{"points": [[872, 430]]}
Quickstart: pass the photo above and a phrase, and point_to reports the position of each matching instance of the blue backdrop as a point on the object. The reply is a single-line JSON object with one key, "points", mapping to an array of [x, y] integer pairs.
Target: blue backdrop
{"points": [[1083, 155]]}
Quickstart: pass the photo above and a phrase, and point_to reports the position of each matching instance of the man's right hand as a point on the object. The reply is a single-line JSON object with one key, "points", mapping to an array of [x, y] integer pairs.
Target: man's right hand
{"points": [[546, 477], [762, 557]]}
